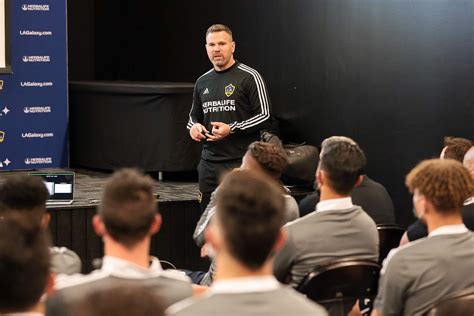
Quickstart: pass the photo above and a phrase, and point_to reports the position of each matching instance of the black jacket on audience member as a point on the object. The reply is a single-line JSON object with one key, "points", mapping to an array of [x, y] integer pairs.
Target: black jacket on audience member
{"points": [[370, 195]]}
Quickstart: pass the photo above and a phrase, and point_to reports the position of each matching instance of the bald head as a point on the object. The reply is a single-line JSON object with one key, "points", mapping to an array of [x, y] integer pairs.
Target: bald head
{"points": [[468, 161]]}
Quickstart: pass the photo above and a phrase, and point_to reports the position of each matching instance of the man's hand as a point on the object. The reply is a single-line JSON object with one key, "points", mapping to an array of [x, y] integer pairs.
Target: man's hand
{"points": [[198, 132], [219, 131]]}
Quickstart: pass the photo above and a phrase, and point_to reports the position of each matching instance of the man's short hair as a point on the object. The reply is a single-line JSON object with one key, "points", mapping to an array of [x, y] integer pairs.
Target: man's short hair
{"points": [[128, 206], [250, 211], [271, 158], [343, 162], [24, 265], [24, 194], [336, 139], [219, 28], [456, 147], [444, 182], [119, 301]]}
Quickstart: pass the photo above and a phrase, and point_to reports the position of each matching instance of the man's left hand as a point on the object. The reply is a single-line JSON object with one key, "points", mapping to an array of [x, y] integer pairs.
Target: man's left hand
{"points": [[219, 131]]}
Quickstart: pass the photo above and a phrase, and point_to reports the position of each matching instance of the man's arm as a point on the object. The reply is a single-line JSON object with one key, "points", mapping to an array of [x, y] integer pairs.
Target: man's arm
{"points": [[259, 103], [390, 300], [197, 131], [205, 219], [284, 260]]}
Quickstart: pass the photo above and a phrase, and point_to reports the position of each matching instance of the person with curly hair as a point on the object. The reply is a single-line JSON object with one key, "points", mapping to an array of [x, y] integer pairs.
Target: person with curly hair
{"points": [[416, 275], [455, 148]]}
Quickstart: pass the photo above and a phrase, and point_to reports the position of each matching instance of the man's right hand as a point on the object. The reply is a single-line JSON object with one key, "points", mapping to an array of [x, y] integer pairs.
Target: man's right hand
{"points": [[197, 132]]}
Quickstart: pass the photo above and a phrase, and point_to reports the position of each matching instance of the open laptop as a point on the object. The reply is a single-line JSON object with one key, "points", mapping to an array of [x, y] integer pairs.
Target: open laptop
{"points": [[60, 186]]}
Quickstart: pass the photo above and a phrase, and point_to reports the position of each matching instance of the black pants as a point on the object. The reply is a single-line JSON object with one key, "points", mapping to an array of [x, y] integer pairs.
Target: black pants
{"points": [[210, 174]]}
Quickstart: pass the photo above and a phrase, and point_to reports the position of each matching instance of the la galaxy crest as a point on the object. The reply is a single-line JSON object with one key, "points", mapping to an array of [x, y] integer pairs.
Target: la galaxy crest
{"points": [[229, 90]]}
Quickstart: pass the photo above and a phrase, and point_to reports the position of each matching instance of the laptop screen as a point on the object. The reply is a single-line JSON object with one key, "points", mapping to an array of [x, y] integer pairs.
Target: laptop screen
{"points": [[60, 184]]}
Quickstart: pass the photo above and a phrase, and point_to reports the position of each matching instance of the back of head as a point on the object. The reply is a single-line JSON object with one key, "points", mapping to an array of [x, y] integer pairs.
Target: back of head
{"points": [[444, 182], [119, 301], [23, 194], [456, 147], [343, 162], [128, 206], [24, 265], [271, 158], [250, 213]]}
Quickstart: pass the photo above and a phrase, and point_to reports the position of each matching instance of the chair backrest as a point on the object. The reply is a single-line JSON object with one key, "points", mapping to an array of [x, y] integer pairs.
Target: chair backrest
{"points": [[389, 238], [459, 304], [341, 279]]}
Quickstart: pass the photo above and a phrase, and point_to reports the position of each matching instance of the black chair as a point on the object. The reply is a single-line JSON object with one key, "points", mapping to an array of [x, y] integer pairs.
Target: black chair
{"points": [[389, 238], [338, 284], [459, 304]]}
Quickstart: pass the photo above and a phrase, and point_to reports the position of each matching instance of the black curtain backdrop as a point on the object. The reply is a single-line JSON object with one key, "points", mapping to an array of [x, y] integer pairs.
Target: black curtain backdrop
{"points": [[396, 76]]}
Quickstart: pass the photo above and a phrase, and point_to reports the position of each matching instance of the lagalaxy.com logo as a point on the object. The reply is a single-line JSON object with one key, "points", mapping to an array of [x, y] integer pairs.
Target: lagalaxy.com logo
{"points": [[34, 84], [36, 109], [35, 33], [39, 161], [36, 59], [37, 135]]}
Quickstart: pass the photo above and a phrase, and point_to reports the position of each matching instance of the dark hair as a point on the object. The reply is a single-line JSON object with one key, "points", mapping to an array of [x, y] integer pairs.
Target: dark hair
{"points": [[271, 158], [24, 264], [343, 162], [444, 182], [24, 194], [128, 206], [219, 28], [250, 210], [119, 301], [456, 147]]}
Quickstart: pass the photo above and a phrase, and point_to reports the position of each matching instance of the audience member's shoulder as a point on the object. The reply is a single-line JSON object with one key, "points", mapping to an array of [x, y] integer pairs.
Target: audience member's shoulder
{"points": [[64, 261], [304, 305], [175, 275]]}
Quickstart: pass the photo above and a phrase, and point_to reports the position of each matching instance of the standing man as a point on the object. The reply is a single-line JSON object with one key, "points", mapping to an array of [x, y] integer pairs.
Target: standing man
{"points": [[230, 108]]}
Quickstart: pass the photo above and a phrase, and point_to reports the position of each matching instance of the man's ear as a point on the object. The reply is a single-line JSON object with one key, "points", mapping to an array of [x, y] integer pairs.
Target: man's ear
{"points": [[233, 46], [45, 220], [156, 225], [281, 240], [49, 289], [98, 225], [320, 178], [359, 181], [213, 236]]}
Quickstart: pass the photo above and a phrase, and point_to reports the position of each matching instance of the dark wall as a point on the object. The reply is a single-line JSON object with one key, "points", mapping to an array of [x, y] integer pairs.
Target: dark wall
{"points": [[395, 75], [81, 39]]}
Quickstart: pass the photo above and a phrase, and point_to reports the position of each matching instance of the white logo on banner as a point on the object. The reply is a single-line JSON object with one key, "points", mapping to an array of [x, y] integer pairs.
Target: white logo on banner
{"points": [[36, 59], [36, 84], [37, 135], [36, 33], [5, 163], [35, 7], [5, 111], [36, 109], [38, 161], [1, 84]]}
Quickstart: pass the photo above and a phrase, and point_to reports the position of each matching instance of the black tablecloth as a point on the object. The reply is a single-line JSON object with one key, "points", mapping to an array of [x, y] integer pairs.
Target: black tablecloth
{"points": [[131, 124]]}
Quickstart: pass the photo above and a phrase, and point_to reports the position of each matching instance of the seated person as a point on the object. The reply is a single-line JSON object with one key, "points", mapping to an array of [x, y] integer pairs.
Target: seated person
{"points": [[245, 233], [26, 196], [453, 149], [369, 194], [336, 229], [418, 274], [127, 219], [24, 268], [260, 157]]}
